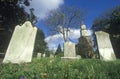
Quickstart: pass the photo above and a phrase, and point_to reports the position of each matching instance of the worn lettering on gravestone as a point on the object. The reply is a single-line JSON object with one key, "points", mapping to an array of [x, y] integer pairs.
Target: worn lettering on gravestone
{"points": [[69, 49], [21, 46], [104, 46]]}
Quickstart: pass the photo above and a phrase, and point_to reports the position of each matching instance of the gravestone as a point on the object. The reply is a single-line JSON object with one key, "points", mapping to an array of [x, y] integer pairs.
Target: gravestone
{"points": [[69, 49], [21, 45], [43, 55], [51, 56], [105, 48], [39, 55]]}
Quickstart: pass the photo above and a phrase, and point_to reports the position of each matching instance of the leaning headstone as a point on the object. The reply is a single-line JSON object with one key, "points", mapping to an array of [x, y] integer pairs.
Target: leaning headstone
{"points": [[105, 48], [21, 45]]}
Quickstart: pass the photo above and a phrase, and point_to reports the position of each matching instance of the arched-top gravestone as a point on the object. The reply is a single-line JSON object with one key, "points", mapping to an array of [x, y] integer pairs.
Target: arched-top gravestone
{"points": [[21, 46], [104, 46]]}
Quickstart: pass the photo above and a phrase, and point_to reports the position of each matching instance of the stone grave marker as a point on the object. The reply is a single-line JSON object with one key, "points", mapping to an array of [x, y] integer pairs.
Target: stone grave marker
{"points": [[39, 55], [43, 55], [69, 49], [51, 56], [21, 45], [105, 48]]}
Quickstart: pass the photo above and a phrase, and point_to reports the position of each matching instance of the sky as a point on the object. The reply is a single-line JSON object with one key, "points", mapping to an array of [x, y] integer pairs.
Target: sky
{"points": [[92, 8]]}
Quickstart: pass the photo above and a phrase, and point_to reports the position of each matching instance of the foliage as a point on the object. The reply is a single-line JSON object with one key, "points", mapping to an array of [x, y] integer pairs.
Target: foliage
{"points": [[40, 44], [110, 23], [11, 14], [84, 47], [59, 52], [62, 20], [47, 68]]}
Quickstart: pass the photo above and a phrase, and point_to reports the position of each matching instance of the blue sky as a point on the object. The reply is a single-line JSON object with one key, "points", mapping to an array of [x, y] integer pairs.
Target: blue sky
{"points": [[92, 8]]}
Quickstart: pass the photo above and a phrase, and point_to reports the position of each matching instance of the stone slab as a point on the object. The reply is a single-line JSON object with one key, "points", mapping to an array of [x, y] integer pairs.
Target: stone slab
{"points": [[39, 55], [104, 46], [69, 49], [71, 57], [21, 45]]}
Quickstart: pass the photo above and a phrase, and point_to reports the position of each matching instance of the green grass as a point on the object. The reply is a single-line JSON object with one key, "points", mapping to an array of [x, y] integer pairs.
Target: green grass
{"points": [[1, 60], [55, 68]]}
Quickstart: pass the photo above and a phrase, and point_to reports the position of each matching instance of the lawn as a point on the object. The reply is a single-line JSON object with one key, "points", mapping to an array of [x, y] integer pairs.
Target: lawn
{"points": [[55, 68]]}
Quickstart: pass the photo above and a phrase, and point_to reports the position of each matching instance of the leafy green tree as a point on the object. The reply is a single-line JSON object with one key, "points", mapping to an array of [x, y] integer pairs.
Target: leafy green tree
{"points": [[40, 44], [84, 48], [110, 23], [59, 52], [11, 14]]}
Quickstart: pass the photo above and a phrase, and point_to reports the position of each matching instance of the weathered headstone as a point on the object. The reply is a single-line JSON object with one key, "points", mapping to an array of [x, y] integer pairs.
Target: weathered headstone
{"points": [[39, 55], [69, 49], [51, 56], [21, 46], [43, 55], [105, 48]]}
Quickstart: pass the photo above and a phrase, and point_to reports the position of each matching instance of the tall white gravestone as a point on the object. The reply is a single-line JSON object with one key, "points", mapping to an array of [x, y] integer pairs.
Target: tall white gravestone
{"points": [[21, 46], [104, 46]]}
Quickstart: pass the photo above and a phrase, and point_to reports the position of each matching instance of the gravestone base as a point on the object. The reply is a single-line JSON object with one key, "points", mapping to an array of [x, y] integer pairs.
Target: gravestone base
{"points": [[70, 57]]}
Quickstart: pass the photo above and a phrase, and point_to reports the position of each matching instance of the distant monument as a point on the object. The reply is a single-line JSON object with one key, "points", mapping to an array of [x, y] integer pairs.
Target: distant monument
{"points": [[84, 31], [85, 47], [106, 51], [21, 46]]}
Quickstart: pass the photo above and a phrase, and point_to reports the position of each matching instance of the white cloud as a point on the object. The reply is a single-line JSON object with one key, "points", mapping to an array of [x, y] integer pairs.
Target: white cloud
{"points": [[74, 33], [56, 39], [90, 32], [43, 7]]}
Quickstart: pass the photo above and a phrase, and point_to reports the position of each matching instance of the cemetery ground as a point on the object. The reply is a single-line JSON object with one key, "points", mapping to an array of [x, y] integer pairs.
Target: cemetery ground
{"points": [[57, 68]]}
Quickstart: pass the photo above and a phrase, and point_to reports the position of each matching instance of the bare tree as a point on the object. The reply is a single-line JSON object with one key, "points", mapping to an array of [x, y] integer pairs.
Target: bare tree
{"points": [[62, 20]]}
